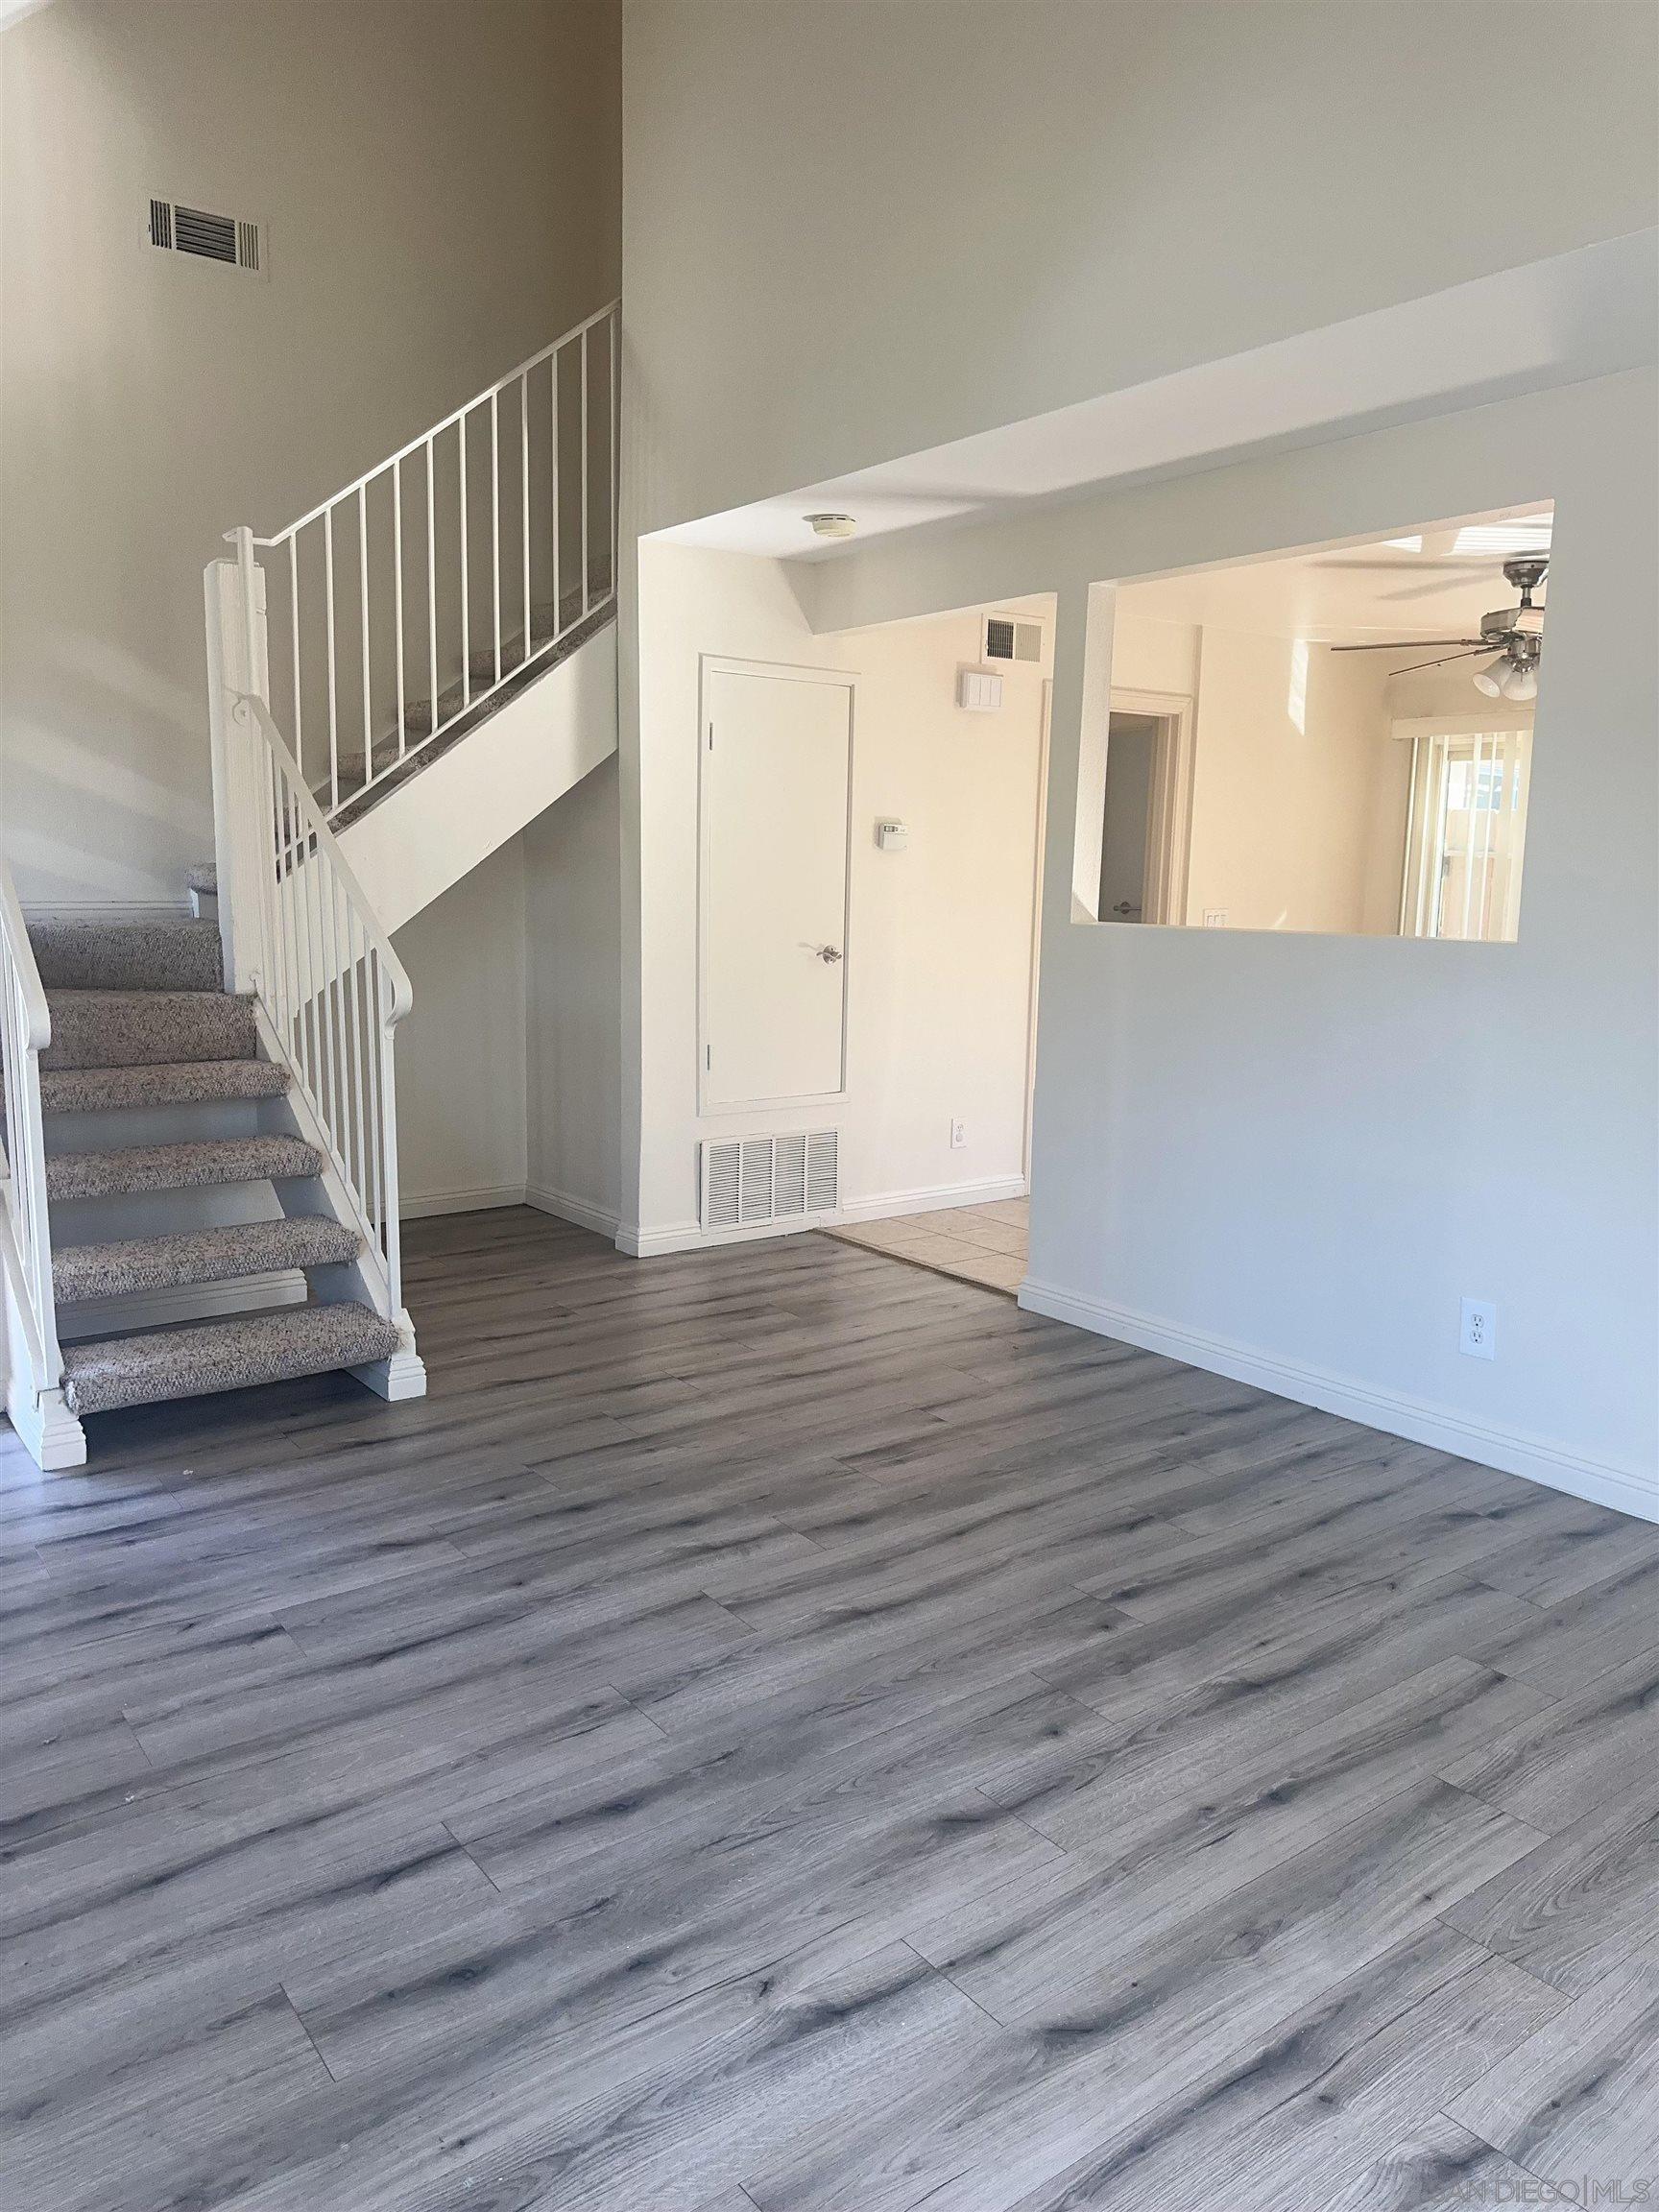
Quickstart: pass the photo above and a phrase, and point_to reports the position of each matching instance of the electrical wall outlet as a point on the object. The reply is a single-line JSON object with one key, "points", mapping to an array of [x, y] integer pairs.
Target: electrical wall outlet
{"points": [[958, 1136], [1214, 916], [1478, 1335]]}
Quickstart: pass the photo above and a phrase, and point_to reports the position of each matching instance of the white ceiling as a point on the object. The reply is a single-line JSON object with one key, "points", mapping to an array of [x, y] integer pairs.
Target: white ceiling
{"points": [[1587, 313], [1355, 593]]}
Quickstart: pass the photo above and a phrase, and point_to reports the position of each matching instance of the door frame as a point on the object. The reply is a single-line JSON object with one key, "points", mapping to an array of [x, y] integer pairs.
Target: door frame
{"points": [[1040, 843], [1170, 816], [709, 665]]}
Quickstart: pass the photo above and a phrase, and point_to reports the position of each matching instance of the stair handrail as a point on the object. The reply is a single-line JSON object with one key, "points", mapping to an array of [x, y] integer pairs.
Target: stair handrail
{"points": [[329, 980], [370, 667], [25, 1034]]}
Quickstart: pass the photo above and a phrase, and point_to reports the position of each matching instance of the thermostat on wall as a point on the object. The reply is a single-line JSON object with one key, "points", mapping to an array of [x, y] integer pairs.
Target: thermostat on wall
{"points": [[979, 691], [892, 836]]}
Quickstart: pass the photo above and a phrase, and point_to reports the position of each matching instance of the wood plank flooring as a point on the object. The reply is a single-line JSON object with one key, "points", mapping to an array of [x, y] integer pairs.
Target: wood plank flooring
{"points": [[777, 1731]]}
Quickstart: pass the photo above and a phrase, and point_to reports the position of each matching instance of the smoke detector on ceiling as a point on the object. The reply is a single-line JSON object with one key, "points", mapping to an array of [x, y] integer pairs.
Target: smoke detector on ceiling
{"points": [[831, 525]]}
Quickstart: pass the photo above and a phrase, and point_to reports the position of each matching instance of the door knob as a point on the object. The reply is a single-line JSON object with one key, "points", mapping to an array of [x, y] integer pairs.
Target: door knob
{"points": [[829, 955]]}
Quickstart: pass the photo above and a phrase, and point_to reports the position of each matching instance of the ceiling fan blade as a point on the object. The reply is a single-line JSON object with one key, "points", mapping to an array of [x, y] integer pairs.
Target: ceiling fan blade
{"points": [[1407, 644], [1418, 666]]}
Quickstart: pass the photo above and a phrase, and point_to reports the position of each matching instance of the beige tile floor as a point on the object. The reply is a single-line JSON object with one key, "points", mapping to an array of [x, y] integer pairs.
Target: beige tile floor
{"points": [[977, 1243]]}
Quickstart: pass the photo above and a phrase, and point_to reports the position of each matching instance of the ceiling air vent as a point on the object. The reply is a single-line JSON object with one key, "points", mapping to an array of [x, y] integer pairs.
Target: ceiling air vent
{"points": [[172, 228], [751, 1180], [1012, 638]]}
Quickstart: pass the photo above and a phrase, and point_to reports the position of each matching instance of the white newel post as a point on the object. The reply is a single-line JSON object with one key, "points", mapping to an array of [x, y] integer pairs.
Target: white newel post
{"points": [[238, 664]]}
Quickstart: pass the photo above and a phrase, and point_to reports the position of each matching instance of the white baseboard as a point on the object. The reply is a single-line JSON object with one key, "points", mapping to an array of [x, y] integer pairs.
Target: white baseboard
{"points": [[568, 1208], [687, 1236], [1599, 1483], [988, 1191], [476, 1201], [185, 1302]]}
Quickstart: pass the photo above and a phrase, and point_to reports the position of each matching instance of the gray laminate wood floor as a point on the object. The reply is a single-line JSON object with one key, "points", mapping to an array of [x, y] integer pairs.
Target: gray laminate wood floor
{"points": [[775, 1729]]}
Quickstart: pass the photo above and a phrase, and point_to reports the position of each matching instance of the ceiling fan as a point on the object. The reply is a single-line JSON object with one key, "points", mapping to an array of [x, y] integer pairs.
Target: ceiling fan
{"points": [[1513, 634]]}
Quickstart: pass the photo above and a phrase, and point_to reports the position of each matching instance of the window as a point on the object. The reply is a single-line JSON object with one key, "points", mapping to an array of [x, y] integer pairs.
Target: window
{"points": [[1465, 832]]}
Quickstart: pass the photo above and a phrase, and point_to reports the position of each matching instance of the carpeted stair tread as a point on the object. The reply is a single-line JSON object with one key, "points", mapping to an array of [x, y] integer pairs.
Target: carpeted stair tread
{"points": [[204, 878], [180, 954], [147, 1028], [179, 1167], [200, 1255], [163, 1083], [206, 1357]]}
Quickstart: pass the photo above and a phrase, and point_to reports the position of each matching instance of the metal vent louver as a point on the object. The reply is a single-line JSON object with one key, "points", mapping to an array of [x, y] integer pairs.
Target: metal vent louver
{"points": [[1012, 638], [172, 228], [750, 1180]]}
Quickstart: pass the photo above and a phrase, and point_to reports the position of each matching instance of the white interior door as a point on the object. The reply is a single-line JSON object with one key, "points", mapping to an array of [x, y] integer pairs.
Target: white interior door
{"points": [[777, 760]]}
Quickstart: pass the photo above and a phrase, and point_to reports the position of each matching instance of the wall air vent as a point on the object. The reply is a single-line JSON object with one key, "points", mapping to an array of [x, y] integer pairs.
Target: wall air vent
{"points": [[1012, 638], [751, 1180], [170, 228]]}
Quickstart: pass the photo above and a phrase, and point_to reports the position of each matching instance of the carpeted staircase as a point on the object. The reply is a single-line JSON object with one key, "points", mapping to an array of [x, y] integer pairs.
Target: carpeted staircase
{"points": [[144, 1036]]}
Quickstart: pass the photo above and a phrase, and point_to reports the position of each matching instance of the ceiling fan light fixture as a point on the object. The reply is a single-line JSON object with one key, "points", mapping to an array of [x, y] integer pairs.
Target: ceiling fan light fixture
{"points": [[1491, 678], [1519, 683]]}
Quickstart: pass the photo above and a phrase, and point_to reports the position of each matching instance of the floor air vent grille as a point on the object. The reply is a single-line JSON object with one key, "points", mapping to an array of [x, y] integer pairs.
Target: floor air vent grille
{"points": [[749, 1180]]}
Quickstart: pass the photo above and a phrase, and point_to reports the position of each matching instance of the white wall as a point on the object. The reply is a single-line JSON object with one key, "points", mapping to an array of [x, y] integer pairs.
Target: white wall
{"points": [[866, 229], [1289, 1156], [460, 1051], [442, 185], [573, 947], [940, 944], [508, 1065]]}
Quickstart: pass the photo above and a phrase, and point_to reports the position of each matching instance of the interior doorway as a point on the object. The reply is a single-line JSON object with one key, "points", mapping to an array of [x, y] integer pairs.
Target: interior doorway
{"points": [[949, 806], [1131, 766], [1146, 808]]}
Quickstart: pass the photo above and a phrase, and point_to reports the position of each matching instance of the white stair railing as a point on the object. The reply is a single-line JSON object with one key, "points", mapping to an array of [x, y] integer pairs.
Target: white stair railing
{"points": [[301, 937], [403, 603], [32, 1361], [333, 989]]}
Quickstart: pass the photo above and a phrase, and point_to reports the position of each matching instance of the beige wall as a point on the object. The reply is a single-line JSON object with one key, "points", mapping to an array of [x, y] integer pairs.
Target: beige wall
{"points": [[1296, 824], [573, 929], [939, 949], [855, 230], [941, 942], [1280, 808], [442, 182], [460, 1051]]}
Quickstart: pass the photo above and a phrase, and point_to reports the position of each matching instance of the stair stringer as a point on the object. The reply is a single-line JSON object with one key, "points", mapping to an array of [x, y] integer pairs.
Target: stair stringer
{"points": [[434, 827], [362, 1281]]}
